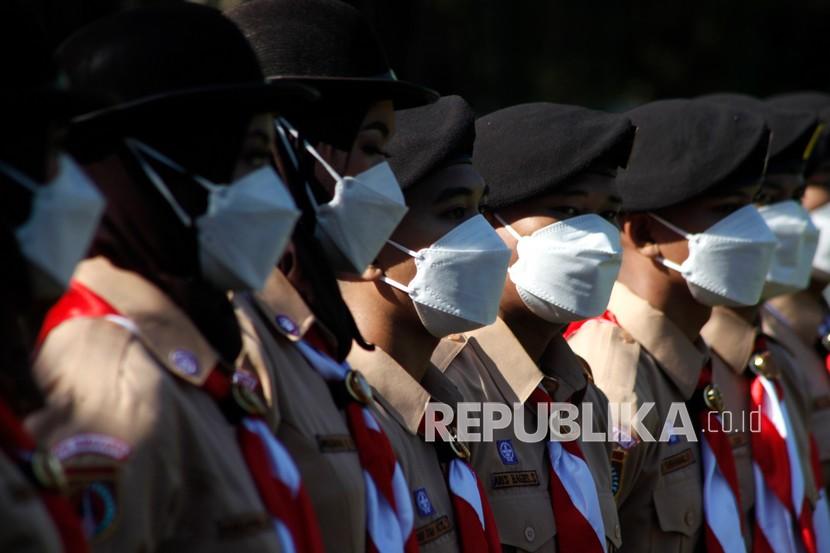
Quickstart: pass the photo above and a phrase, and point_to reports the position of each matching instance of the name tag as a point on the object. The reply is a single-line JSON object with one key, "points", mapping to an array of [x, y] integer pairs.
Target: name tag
{"points": [[433, 530], [677, 462], [335, 443], [514, 479], [238, 526], [738, 440]]}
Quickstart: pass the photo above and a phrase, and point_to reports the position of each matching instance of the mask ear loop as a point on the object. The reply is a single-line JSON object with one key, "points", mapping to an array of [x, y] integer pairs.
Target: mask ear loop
{"points": [[315, 154], [509, 228], [667, 262], [394, 283], [137, 148]]}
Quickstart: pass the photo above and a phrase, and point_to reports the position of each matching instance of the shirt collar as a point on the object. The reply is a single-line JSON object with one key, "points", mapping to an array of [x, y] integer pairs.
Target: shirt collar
{"points": [[407, 397], [731, 337], [520, 372], [566, 368], [681, 359], [284, 307], [164, 329]]}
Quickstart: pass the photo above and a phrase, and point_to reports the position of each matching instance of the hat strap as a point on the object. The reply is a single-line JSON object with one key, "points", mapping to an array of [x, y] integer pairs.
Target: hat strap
{"points": [[138, 149], [19, 177]]}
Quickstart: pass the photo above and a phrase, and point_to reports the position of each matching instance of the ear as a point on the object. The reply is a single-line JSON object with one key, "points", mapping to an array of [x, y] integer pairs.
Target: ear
{"points": [[637, 233]]}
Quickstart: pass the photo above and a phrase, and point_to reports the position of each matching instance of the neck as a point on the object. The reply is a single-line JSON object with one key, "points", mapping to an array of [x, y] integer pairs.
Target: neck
{"points": [[533, 333], [389, 325], [673, 299], [748, 314]]}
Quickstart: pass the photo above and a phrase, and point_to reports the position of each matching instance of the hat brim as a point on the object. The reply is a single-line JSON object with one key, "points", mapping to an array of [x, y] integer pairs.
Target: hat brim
{"points": [[404, 94], [249, 98], [55, 104]]}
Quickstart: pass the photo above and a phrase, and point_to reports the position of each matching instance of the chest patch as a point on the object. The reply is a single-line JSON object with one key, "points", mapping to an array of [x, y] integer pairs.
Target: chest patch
{"points": [[514, 479], [422, 502], [506, 452], [677, 461], [433, 530]]}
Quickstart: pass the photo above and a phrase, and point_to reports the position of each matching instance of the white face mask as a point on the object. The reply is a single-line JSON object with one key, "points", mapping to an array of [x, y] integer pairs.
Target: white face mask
{"points": [[459, 279], [360, 218], [729, 261], [797, 241], [64, 216], [821, 219], [566, 270], [246, 226]]}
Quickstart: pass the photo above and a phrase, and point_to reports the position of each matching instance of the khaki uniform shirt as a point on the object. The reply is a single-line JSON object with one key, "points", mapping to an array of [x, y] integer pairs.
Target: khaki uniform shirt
{"points": [[793, 321], [491, 365], [733, 340], [154, 463], [648, 359], [404, 403], [310, 426], [25, 524]]}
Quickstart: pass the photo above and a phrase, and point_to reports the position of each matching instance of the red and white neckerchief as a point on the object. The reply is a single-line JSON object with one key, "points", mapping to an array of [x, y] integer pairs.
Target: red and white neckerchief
{"points": [[389, 513], [272, 469], [474, 520], [721, 494], [821, 514], [19, 445], [573, 492], [783, 517]]}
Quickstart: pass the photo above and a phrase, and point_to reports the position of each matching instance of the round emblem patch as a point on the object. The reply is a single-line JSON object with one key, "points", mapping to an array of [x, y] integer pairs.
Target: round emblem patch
{"points": [[185, 361], [287, 325]]}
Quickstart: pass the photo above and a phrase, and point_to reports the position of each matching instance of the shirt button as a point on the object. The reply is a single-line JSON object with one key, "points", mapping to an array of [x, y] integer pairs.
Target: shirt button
{"points": [[530, 534], [689, 518]]}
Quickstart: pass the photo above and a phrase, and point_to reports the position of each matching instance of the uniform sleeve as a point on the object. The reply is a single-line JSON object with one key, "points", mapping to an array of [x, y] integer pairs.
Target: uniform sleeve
{"points": [[111, 420]]}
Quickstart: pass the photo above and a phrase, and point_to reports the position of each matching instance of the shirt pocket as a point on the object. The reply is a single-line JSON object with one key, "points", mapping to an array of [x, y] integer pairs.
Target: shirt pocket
{"points": [[678, 502], [525, 521]]}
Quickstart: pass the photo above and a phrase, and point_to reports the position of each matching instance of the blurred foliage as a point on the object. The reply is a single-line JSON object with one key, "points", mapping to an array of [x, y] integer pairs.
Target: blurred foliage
{"points": [[599, 53]]}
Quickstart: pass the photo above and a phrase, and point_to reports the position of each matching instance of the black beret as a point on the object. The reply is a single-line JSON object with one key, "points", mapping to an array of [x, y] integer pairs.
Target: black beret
{"points": [[791, 130], [431, 137], [687, 147], [524, 150]]}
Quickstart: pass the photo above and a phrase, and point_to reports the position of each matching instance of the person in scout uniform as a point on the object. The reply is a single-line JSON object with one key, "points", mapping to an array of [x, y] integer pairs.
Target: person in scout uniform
{"points": [[550, 170], [691, 239], [755, 362], [798, 320], [47, 217], [327, 419], [442, 273], [163, 442]]}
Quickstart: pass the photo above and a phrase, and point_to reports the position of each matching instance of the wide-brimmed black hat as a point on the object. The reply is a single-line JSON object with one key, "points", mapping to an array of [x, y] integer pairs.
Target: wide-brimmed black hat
{"points": [[792, 130], [327, 44], [431, 137], [528, 149], [685, 148], [155, 61], [31, 82], [819, 104]]}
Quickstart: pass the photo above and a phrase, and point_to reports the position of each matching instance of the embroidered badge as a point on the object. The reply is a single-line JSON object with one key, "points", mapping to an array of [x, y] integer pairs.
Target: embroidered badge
{"points": [[423, 503], [91, 444], [617, 462], [91, 462], [677, 461], [506, 452], [624, 438], [287, 325], [676, 439], [185, 361], [515, 479], [433, 530]]}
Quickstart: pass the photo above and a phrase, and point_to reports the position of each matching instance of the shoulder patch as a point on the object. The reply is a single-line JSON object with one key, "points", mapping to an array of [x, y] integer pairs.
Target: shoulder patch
{"points": [[91, 462]]}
